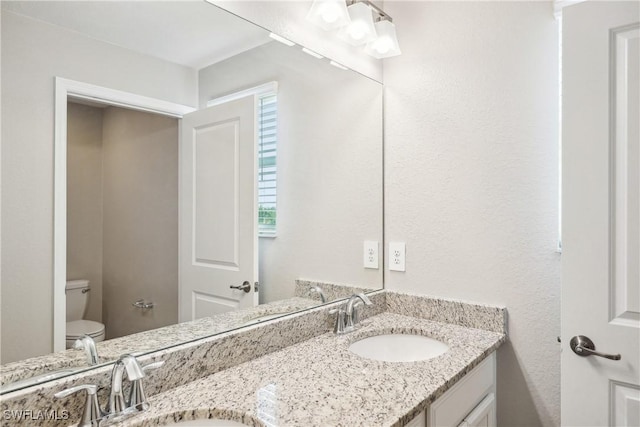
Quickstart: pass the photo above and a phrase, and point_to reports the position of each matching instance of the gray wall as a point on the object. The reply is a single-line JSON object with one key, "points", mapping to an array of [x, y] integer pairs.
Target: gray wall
{"points": [[122, 228], [329, 165], [33, 53], [140, 220], [84, 201], [471, 128]]}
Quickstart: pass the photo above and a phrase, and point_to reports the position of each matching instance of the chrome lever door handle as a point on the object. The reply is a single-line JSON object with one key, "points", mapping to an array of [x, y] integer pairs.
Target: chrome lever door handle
{"points": [[583, 346], [246, 286]]}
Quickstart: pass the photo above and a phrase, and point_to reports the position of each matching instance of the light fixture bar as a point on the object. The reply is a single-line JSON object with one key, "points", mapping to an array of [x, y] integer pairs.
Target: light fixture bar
{"points": [[382, 15]]}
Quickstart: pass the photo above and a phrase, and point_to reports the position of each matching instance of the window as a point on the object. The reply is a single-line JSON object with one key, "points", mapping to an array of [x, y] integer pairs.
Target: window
{"points": [[267, 163]]}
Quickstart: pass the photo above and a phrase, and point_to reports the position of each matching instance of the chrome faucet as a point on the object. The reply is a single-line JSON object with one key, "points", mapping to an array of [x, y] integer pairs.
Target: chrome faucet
{"points": [[137, 401], [86, 343], [348, 317], [318, 289], [117, 407], [352, 313]]}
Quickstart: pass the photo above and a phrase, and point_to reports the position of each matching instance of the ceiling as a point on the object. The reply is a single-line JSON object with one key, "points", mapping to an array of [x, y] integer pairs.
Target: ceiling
{"points": [[189, 32]]}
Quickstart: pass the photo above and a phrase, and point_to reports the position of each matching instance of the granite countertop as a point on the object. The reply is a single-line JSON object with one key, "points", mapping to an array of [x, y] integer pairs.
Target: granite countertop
{"points": [[142, 342], [187, 331], [320, 383]]}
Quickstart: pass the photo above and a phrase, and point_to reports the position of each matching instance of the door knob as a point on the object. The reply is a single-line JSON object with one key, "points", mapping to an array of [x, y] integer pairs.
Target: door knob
{"points": [[246, 286], [583, 346]]}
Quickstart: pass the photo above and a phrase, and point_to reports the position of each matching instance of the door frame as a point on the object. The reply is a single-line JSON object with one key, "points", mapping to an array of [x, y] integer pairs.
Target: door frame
{"points": [[66, 89]]}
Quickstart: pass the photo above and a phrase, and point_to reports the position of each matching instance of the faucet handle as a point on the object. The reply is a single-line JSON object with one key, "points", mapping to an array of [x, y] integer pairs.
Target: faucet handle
{"points": [[91, 413], [152, 366], [132, 367]]}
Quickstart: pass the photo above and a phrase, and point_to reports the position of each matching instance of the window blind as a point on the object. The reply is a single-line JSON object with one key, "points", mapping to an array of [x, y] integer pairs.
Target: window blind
{"points": [[267, 141]]}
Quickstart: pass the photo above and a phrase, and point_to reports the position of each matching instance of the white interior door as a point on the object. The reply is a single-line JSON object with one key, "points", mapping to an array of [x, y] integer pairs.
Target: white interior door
{"points": [[218, 209], [601, 213]]}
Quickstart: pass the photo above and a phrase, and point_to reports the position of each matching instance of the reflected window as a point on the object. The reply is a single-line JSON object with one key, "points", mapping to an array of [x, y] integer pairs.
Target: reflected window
{"points": [[267, 163]]}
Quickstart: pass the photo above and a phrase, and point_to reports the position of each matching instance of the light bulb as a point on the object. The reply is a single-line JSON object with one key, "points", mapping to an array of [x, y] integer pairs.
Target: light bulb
{"points": [[329, 14], [361, 28], [357, 31], [383, 45], [386, 45]]}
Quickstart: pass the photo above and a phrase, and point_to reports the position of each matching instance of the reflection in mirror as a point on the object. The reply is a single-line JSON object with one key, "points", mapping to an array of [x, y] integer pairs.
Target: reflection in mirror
{"points": [[214, 178]]}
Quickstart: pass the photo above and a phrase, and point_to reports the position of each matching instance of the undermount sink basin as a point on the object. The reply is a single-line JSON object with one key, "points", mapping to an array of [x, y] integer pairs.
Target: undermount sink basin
{"points": [[207, 422], [398, 348]]}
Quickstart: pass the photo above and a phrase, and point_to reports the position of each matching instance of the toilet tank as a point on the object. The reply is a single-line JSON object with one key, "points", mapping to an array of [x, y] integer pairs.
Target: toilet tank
{"points": [[77, 293]]}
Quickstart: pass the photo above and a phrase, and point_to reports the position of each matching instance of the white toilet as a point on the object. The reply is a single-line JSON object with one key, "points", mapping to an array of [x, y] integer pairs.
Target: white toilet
{"points": [[77, 296]]}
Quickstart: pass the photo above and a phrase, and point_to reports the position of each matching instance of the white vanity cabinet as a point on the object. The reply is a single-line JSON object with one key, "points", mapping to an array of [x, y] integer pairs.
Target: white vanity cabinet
{"points": [[469, 403]]}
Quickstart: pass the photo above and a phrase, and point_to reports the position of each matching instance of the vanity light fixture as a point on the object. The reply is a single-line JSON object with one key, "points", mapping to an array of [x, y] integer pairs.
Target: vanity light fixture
{"points": [[281, 39], [312, 53], [329, 14], [357, 26], [361, 29]]}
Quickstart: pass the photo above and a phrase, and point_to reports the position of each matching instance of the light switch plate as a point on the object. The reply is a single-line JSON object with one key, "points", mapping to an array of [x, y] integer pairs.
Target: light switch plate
{"points": [[371, 254], [397, 251]]}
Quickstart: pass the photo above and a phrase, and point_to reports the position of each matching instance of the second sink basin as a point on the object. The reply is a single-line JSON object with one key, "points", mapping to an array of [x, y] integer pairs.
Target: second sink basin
{"points": [[399, 348], [207, 422]]}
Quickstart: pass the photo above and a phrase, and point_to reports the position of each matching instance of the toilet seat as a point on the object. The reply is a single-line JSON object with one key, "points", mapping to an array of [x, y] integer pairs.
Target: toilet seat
{"points": [[77, 328]]}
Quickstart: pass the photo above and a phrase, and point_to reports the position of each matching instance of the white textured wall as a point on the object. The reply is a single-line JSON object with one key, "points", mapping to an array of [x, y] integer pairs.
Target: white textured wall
{"points": [[471, 185], [329, 165], [288, 19], [34, 53]]}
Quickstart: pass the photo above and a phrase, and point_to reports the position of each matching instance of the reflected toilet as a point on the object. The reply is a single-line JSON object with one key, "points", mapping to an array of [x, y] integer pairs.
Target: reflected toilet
{"points": [[77, 298]]}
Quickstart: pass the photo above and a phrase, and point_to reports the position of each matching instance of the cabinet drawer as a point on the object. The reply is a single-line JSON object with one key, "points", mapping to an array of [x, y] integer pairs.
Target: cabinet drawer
{"points": [[482, 415], [450, 409], [419, 421]]}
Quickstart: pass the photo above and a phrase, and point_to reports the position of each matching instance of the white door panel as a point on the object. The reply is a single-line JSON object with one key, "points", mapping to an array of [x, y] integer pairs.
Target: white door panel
{"points": [[218, 216], [601, 212]]}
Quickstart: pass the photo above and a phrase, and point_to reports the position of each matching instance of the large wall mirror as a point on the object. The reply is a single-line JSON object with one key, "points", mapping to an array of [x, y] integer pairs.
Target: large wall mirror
{"points": [[171, 165]]}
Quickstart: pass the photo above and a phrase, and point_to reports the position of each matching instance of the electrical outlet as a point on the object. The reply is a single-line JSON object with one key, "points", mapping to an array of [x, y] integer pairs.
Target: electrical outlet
{"points": [[397, 251], [371, 254]]}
